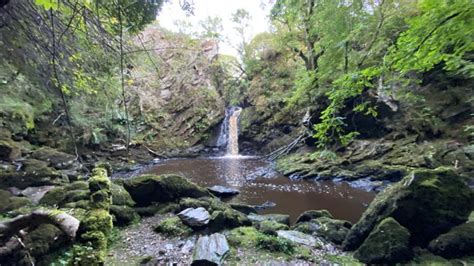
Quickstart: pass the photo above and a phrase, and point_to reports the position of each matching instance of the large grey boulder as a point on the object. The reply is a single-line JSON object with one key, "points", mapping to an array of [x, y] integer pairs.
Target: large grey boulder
{"points": [[210, 250], [195, 217]]}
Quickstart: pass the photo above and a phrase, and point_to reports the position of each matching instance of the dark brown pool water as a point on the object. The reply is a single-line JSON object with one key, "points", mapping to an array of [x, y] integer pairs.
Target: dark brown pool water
{"points": [[258, 182]]}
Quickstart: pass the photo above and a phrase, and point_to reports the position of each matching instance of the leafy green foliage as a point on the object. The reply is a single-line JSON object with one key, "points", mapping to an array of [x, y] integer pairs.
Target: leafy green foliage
{"points": [[331, 127], [442, 33]]}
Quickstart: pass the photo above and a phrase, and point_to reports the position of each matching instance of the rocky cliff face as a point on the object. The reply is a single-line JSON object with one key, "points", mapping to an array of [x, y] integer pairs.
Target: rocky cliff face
{"points": [[172, 85]]}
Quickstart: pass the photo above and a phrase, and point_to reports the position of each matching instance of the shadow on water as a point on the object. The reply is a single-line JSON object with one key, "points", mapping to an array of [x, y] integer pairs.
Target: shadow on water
{"points": [[258, 183]]}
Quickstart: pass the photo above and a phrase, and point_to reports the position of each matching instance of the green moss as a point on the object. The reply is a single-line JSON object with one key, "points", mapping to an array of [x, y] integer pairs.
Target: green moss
{"points": [[332, 230], [426, 202], [173, 226], [313, 214], [82, 204], [99, 180], [78, 185], [270, 227], [9, 150], [185, 203], [388, 243], [54, 197], [123, 215], [120, 196], [43, 239], [456, 243], [243, 236], [18, 202], [97, 220], [342, 259], [101, 199], [4, 200], [86, 255], [426, 258], [149, 189], [76, 195], [227, 218], [95, 239], [275, 244]]}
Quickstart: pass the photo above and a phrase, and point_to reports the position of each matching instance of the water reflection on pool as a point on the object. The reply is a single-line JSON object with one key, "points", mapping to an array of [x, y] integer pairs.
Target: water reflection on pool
{"points": [[258, 182]]}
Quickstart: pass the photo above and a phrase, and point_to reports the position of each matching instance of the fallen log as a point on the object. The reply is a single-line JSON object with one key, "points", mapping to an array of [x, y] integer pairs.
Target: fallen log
{"points": [[67, 223]]}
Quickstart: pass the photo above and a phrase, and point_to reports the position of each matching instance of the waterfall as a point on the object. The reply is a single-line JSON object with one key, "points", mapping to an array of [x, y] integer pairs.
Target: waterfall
{"points": [[233, 132], [229, 131]]}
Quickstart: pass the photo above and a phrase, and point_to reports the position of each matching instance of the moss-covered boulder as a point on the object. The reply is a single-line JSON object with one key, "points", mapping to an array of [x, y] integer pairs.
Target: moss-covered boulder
{"points": [[4, 199], [456, 243], [173, 226], [313, 214], [65, 195], [123, 215], [55, 158], [8, 202], [40, 177], [270, 227], [148, 189], [43, 239], [9, 150], [388, 243], [332, 230], [227, 218], [120, 196], [426, 202]]}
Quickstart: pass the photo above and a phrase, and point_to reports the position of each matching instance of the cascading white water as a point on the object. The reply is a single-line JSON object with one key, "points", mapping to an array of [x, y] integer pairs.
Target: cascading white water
{"points": [[233, 132]]}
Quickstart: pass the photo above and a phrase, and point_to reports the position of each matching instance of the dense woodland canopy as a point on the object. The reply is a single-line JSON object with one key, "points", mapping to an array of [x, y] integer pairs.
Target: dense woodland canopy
{"points": [[355, 90]]}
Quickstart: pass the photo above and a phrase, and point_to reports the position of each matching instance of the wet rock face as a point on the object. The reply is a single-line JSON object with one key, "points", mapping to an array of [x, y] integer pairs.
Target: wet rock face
{"points": [[456, 243], [388, 243], [195, 217], [210, 250], [148, 189], [426, 202]]}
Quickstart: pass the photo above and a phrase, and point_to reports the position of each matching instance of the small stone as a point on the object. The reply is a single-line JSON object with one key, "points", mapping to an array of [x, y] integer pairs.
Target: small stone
{"points": [[266, 205], [221, 191], [195, 217]]}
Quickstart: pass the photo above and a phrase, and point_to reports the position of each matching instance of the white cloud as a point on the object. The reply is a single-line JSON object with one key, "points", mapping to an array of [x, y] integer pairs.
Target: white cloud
{"points": [[217, 8]]}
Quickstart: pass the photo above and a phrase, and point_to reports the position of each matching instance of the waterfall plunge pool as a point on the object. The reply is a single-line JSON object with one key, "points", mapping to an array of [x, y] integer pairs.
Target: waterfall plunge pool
{"points": [[258, 182]]}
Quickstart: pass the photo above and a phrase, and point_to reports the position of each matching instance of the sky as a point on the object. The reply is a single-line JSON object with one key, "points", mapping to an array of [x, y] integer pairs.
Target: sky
{"points": [[172, 11]]}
